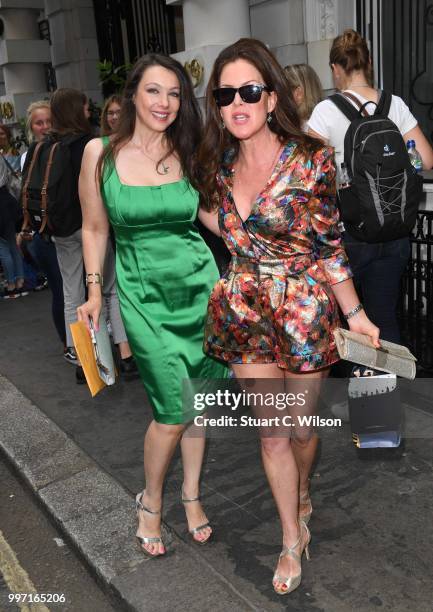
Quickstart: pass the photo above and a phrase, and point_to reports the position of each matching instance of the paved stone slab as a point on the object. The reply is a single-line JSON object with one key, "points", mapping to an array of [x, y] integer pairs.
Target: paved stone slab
{"points": [[40, 449], [97, 515], [372, 544]]}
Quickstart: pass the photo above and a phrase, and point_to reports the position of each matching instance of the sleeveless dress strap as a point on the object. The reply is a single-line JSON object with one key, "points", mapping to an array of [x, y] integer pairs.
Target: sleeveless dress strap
{"points": [[110, 183]]}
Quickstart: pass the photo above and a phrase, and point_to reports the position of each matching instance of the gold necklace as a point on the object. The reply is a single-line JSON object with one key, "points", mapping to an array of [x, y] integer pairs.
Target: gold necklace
{"points": [[165, 168]]}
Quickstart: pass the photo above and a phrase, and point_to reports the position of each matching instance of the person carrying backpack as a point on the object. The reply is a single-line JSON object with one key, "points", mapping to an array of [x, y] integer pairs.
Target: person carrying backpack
{"points": [[51, 207], [379, 207]]}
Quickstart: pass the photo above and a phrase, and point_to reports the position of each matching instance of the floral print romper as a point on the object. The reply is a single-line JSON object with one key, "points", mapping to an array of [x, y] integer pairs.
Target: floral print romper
{"points": [[275, 302]]}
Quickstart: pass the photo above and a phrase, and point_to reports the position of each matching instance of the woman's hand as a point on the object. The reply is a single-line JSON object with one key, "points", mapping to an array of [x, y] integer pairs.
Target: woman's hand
{"points": [[90, 309], [361, 324]]}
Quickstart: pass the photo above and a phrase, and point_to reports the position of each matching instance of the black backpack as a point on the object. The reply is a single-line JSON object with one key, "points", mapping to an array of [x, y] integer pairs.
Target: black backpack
{"points": [[382, 200], [48, 189]]}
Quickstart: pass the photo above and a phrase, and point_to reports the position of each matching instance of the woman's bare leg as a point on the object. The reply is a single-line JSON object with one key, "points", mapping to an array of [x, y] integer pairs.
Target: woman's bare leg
{"points": [[280, 466], [305, 440], [159, 444], [192, 446]]}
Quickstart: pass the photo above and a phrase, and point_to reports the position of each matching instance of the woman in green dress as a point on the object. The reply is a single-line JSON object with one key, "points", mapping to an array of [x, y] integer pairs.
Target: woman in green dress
{"points": [[141, 181]]}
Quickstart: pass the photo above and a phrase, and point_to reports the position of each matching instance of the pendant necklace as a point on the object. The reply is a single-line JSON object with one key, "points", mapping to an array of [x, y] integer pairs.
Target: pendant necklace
{"points": [[165, 168]]}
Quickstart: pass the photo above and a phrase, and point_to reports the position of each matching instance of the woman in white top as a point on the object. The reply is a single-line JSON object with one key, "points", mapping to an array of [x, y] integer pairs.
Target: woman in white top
{"points": [[377, 267]]}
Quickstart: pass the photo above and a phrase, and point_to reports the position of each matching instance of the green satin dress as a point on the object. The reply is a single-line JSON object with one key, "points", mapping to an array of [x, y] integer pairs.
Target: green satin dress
{"points": [[165, 273]]}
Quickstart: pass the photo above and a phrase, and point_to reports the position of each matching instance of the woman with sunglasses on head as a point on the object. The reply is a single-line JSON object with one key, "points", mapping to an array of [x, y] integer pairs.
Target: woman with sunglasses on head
{"points": [[141, 180], [270, 190]]}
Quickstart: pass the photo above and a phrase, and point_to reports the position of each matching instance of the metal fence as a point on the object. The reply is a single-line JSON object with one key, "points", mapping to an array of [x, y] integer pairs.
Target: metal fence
{"points": [[416, 304], [127, 29]]}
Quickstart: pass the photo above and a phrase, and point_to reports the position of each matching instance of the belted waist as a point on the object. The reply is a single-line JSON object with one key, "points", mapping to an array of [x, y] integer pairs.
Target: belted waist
{"points": [[296, 264]]}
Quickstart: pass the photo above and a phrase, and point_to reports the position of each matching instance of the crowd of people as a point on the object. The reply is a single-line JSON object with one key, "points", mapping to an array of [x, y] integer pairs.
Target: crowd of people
{"points": [[260, 172]]}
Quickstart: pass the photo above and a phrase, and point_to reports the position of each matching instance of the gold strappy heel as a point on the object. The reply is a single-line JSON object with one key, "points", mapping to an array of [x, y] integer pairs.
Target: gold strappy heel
{"points": [[143, 539], [196, 530], [292, 582]]}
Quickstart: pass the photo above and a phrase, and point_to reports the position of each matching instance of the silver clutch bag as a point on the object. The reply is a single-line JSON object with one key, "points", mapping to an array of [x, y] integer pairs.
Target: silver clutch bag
{"points": [[103, 353], [391, 358]]}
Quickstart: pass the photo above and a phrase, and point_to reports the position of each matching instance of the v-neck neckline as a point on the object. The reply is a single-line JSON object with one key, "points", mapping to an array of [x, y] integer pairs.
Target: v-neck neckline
{"points": [[274, 172]]}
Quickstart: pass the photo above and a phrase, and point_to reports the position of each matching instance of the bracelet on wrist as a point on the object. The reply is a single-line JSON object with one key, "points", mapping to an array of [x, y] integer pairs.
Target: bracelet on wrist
{"points": [[353, 312], [94, 278]]}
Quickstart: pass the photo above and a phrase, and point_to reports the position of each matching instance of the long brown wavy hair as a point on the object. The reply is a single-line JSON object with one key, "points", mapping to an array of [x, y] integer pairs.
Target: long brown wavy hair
{"points": [[285, 121], [67, 112], [183, 135]]}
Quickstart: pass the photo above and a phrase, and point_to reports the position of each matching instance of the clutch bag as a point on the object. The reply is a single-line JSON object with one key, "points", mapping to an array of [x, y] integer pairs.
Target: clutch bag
{"points": [[102, 349], [390, 357]]}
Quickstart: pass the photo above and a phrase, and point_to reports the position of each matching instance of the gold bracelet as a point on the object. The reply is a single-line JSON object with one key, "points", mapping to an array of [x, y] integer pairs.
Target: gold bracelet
{"points": [[94, 278]]}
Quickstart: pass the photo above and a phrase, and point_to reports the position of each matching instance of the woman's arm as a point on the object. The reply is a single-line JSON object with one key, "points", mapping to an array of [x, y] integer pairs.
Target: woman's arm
{"points": [[328, 249], [347, 299], [95, 230], [210, 220], [422, 146]]}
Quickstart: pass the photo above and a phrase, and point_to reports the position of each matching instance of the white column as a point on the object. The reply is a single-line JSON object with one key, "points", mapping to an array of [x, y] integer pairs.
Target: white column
{"points": [[22, 58], [74, 49], [280, 24], [210, 25], [211, 22], [324, 20]]}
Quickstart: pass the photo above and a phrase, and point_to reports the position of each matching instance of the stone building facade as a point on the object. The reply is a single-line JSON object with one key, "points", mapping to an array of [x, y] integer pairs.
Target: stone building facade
{"points": [[49, 43]]}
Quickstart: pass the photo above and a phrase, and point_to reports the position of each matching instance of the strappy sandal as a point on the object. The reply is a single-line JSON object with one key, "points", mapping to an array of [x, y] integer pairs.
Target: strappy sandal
{"points": [[292, 582], [196, 530], [144, 539], [305, 500]]}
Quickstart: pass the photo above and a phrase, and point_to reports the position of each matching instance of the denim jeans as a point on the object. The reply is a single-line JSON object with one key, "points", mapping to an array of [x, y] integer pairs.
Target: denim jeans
{"points": [[46, 256], [377, 270], [11, 259]]}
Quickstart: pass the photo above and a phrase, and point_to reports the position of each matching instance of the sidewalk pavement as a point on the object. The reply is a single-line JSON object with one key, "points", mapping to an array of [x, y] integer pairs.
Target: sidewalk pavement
{"points": [[82, 457]]}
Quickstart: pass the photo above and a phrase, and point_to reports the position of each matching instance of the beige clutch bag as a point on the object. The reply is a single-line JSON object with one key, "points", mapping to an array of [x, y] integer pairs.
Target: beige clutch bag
{"points": [[391, 358]]}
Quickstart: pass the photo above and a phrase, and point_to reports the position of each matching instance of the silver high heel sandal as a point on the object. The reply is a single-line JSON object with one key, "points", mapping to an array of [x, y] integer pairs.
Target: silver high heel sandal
{"points": [[292, 582], [195, 530], [143, 539]]}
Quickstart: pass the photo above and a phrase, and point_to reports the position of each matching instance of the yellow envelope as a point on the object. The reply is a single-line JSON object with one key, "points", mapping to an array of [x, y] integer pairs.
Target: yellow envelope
{"points": [[83, 346]]}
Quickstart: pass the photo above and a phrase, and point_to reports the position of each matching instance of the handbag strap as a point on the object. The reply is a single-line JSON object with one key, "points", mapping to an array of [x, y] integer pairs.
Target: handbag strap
{"points": [[44, 194], [361, 106], [25, 194]]}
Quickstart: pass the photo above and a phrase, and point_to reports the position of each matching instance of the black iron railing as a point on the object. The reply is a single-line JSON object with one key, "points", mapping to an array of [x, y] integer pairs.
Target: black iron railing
{"points": [[127, 29], [416, 304]]}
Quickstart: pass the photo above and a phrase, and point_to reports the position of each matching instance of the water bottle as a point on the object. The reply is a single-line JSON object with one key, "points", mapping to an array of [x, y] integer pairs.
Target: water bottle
{"points": [[414, 156], [344, 177]]}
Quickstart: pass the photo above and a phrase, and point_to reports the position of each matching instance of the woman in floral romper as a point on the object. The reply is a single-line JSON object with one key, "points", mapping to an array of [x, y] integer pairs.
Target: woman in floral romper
{"points": [[272, 314]]}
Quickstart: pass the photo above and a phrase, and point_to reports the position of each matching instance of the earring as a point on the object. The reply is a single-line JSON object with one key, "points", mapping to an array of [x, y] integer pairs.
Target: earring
{"points": [[223, 125], [269, 117]]}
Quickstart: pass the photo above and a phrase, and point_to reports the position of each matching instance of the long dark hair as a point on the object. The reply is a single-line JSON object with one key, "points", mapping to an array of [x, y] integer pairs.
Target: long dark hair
{"points": [[285, 122], [183, 135], [67, 112]]}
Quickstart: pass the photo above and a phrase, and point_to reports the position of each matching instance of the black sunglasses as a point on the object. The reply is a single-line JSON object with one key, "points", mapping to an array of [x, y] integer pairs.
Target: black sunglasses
{"points": [[250, 94]]}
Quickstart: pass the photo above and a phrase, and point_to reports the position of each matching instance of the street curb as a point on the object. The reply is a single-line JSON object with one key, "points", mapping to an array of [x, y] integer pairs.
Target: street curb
{"points": [[95, 513]]}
